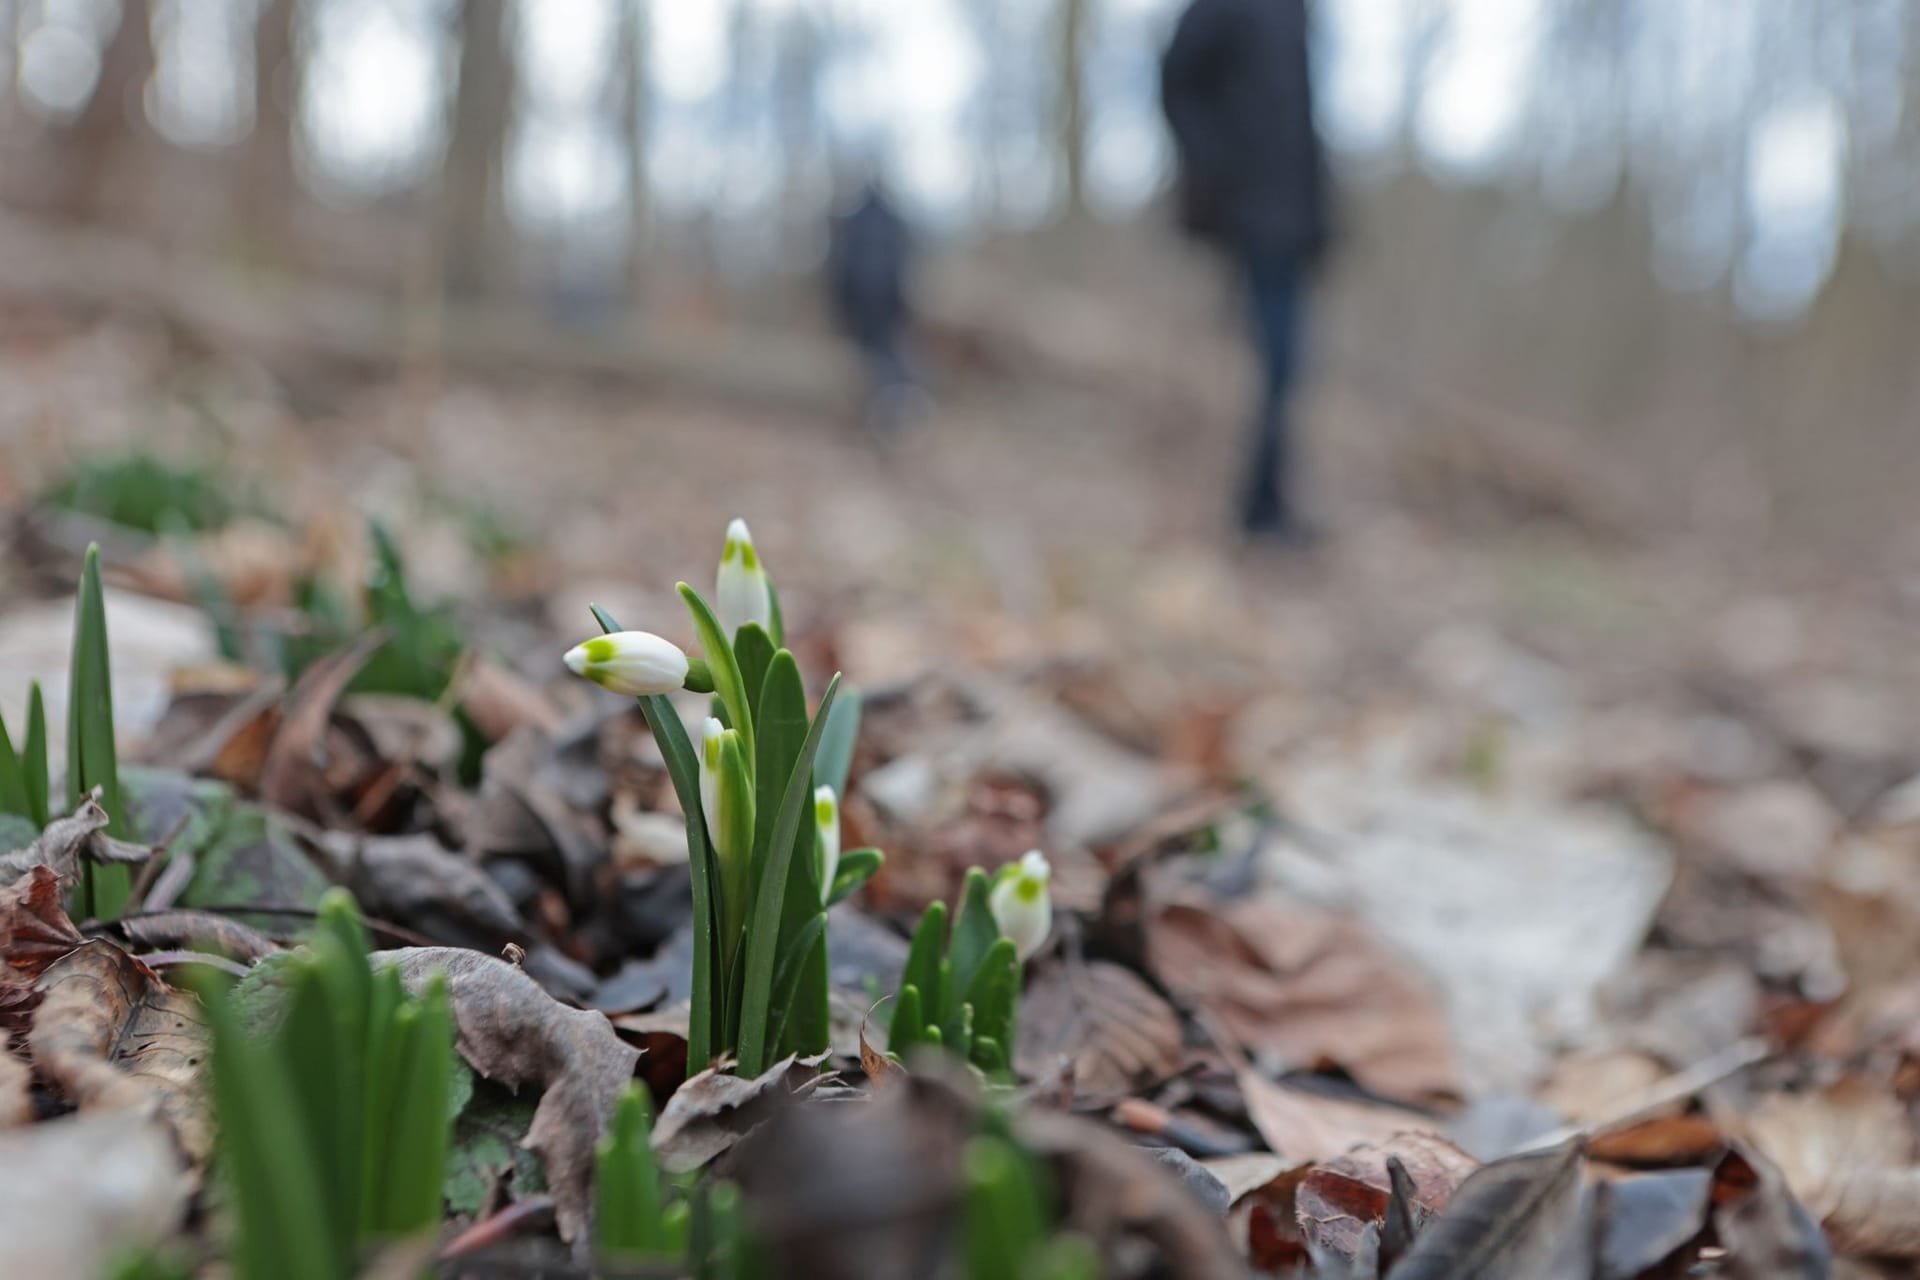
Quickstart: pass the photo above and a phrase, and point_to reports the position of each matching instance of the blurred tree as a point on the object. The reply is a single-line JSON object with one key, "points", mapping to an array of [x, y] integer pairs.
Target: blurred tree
{"points": [[1070, 121], [271, 182], [95, 143], [632, 108], [471, 180]]}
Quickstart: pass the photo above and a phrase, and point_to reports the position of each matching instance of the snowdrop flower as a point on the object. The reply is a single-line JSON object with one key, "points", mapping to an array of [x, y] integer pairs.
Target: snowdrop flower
{"points": [[637, 663], [712, 733], [740, 591], [826, 820], [1020, 903]]}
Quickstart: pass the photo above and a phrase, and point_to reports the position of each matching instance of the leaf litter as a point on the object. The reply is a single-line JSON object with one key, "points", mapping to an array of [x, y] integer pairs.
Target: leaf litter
{"points": [[1413, 857]]}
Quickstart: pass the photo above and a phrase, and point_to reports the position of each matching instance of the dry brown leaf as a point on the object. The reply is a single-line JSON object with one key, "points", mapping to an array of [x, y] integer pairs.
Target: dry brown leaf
{"points": [[34, 927], [293, 774], [202, 930], [1336, 1201], [1110, 1188], [500, 700], [1117, 1033], [81, 834], [110, 1035], [1521, 1218], [1247, 1172], [1848, 1154], [714, 1110], [1305, 1127], [1307, 986], [514, 1033], [83, 1190], [883, 1072]]}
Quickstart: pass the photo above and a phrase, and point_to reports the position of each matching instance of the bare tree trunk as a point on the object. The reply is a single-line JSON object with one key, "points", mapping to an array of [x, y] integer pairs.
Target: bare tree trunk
{"points": [[1070, 122], [272, 186], [95, 144], [633, 104], [471, 180]]}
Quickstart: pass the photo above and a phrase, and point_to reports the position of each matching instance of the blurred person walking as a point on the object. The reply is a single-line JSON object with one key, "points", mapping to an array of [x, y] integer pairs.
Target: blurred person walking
{"points": [[869, 259], [1237, 93]]}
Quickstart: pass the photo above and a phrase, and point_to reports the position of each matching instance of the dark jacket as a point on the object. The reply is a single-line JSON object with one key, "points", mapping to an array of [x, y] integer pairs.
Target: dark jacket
{"points": [[869, 253], [1236, 90]]}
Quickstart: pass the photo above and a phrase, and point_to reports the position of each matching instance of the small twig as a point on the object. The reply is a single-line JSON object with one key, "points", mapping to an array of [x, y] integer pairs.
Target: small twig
{"points": [[165, 959], [1678, 1087]]}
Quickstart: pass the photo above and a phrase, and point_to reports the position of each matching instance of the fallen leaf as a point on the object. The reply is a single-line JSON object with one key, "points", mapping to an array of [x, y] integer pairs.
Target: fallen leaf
{"points": [[81, 834], [1645, 1220], [499, 700], [1768, 1235], [110, 1035], [1308, 987], [1479, 892], [1117, 1033], [202, 930], [436, 891], [1247, 1172], [1112, 1190], [1337, 1199], [714, 1110], [882, 1072], [1521, 1218], [514, 1033], [34, 927], [1847, 1152], [1305, 1127], [88, 1189], [294, 772]]}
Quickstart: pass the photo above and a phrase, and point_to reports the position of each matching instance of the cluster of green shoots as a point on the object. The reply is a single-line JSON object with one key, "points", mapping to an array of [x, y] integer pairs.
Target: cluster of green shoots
{"points": [[333, 1127], [758, 793], [1010, 1219], [25, 792], [960, 989], [641, 1219]]}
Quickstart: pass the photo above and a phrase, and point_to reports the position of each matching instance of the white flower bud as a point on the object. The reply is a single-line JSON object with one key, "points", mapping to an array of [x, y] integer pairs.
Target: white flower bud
{"points": [[740, 591], [826, 820], [1020, 903], [711, 734], [636, 663]]}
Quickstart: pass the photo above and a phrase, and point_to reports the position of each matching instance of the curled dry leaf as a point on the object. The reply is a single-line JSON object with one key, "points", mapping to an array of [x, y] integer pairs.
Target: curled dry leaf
{"points": [[111, 1036], [1308, 987], [62, 1217], [882, 1072], [200, 930], [34, 928], [294, 772], [1848, 1153], [1768, 1235], [513, 1032], [1521, 1218], [81, 834], [417, 879], [1337, 1200], [1113, 1029], [713, 1110]]}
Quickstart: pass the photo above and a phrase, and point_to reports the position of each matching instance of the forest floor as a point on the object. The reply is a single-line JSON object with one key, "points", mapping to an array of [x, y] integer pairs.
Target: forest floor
{"points": [[1507, 812]]}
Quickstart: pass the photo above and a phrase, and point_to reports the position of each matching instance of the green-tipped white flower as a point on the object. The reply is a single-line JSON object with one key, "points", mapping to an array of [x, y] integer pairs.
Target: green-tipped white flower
{"points": [[636, 663], [1021, 905], [826, 820], [711, 735], [740, 591]]}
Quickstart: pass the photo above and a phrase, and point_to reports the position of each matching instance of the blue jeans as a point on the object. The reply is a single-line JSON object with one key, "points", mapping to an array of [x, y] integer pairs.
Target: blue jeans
{"points": [[1276, 299]]}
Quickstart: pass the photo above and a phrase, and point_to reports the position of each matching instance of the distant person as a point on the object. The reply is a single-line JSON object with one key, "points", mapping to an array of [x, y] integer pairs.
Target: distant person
{"points": [[869, 258], [1236, 90]]}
